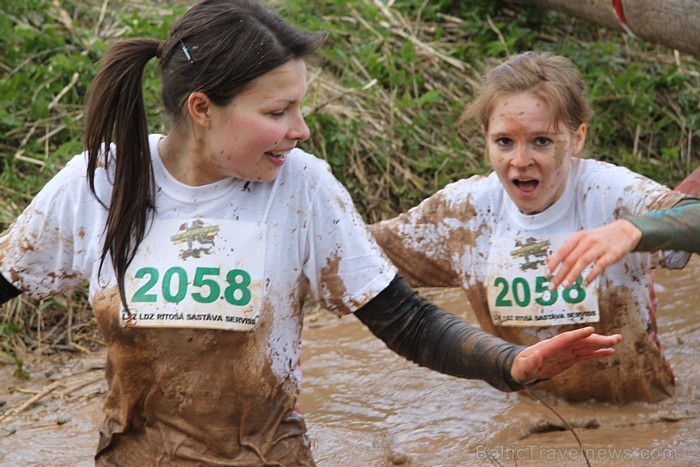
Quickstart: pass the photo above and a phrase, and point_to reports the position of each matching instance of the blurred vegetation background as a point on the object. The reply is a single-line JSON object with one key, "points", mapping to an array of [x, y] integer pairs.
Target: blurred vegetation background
{"points": [[384, 98]]}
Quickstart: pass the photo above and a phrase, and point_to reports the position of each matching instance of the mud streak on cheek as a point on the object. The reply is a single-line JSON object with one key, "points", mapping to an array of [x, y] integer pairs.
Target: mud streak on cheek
{"points": [[559, 152]]}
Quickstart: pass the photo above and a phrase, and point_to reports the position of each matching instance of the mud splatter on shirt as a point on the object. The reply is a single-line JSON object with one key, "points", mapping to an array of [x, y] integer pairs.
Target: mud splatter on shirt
{"points": [[445, 241], [193, 396]]}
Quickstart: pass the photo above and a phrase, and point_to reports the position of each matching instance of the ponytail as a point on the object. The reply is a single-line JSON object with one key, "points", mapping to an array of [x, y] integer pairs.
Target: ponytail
{"points": [[210, 50], [116, 114]]}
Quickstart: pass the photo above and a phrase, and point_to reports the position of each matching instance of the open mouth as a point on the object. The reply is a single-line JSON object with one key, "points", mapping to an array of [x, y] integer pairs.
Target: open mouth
{"points": [[277, 155], [526, 186]]}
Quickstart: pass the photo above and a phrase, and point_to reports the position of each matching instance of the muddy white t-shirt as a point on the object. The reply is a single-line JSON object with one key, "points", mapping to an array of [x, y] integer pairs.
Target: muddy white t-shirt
{"points": [[471, 234], [207, 367]]}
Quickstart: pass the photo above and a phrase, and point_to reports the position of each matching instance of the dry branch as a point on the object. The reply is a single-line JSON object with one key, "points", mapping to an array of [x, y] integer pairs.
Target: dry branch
{"points": [[47, 390]]}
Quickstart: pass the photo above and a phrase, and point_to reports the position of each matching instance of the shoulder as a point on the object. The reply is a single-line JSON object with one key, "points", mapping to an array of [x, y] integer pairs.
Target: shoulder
{"points": [[305, 172], [70, 179], [621, 188], [461, 199], [300, 162], [602, 172], [477, 190], [599, 178]]}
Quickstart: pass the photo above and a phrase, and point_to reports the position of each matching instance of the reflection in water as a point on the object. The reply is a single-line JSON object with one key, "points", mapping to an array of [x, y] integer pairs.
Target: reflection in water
{"points": [[366, 406]]}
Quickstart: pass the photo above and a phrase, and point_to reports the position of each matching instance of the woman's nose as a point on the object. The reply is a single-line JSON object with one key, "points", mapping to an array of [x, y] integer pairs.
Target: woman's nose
{"points": [[300, 130], [521, 158]]}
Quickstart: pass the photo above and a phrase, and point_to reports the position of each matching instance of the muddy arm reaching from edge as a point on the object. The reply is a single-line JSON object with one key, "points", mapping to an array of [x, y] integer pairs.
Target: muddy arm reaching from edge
{"points": [[431, 337], [676, 228]]}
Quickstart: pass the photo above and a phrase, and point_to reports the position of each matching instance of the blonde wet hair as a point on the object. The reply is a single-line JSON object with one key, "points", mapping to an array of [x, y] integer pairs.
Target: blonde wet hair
{"points": [[553, 78]]}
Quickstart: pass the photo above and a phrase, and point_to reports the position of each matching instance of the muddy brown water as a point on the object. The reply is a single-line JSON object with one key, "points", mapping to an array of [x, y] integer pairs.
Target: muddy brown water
{"points": [[365, 406]]}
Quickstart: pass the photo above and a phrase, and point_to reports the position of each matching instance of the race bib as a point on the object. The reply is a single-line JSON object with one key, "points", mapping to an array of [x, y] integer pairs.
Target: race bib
{"points": [[518, 291], [197, 273]]}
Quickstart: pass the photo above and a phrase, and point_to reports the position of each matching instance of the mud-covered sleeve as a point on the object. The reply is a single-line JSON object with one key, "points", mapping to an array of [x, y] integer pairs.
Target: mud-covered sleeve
{"points": [[38, 251], [418, 242], [345, 266], [630, 195], [677, 228], [434, 338]]}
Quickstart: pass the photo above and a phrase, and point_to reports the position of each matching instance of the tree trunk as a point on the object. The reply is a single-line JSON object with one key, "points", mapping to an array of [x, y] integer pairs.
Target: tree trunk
{"points": [[671, 23]]}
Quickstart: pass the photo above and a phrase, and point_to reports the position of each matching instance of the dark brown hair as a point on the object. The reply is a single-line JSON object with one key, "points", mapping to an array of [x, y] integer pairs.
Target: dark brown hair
{"points": [[551, 77], [218, 47]]}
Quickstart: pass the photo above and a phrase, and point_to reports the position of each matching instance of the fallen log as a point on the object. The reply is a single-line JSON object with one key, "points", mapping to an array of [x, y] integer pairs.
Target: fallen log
{"points": [[672, 23]]}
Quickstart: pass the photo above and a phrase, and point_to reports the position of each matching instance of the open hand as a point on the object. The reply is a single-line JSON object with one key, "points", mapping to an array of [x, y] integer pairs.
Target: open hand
{"points": [[601, 247], [551, 356]]}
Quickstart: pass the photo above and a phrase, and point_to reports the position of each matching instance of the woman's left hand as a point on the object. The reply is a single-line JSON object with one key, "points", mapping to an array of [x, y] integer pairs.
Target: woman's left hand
{"points": [[551, 356], [601, 247]]}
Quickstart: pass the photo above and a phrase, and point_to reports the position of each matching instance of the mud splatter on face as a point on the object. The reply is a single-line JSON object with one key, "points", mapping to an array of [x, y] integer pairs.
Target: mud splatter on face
{"points": [[560, 152]]}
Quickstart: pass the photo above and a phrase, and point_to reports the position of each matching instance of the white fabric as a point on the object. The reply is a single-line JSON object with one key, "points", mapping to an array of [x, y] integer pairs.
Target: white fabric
{"points": [[447, 239], [314, 233], [596, 194]]}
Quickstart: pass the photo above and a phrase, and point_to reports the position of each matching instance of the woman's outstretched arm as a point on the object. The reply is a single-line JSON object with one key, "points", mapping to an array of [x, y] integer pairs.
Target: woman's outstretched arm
{"points": [[430, 336]]}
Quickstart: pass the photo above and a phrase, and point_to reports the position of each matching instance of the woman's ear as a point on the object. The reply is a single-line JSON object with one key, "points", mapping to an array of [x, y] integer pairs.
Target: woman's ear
{"points": [[199, 108], [579, 139]]}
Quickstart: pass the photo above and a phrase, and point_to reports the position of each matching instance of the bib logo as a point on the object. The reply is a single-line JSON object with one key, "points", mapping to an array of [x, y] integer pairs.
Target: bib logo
{"points": [[198, 237], [531, 248]]}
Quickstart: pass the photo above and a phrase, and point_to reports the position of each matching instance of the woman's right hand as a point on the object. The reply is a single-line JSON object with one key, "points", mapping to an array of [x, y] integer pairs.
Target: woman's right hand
{"points": [[551, 356], [599, 247]]}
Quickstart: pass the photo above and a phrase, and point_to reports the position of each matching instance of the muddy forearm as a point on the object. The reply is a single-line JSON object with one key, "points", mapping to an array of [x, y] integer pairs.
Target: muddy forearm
{"points": [[429, 336], [670, 229]]}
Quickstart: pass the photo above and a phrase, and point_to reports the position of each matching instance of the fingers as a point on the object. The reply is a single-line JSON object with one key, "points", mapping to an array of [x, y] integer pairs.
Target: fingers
{"points": [[598, 248], [557, 346], [598, 267], [594, 340], [582, 340], [571, 259], [552, 356], [569, 337], [560, 254]]}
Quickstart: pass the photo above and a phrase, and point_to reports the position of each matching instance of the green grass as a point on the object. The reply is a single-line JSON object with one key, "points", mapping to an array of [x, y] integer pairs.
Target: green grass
{"points": [[387, 89], [396, 142]]}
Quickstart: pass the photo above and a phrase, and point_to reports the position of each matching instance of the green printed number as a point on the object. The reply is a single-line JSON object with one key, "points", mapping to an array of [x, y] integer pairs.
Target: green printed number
{"points": [[180, 276], [522, 295], [542, 287], [501, 300], [174, 285], [238, 281], [141, 295], [201, 281], [575, 293]]}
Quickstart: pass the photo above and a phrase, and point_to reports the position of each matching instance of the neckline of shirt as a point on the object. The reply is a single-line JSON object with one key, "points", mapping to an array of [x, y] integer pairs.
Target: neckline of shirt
{"points": [[179, 191], [549, 216]]}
